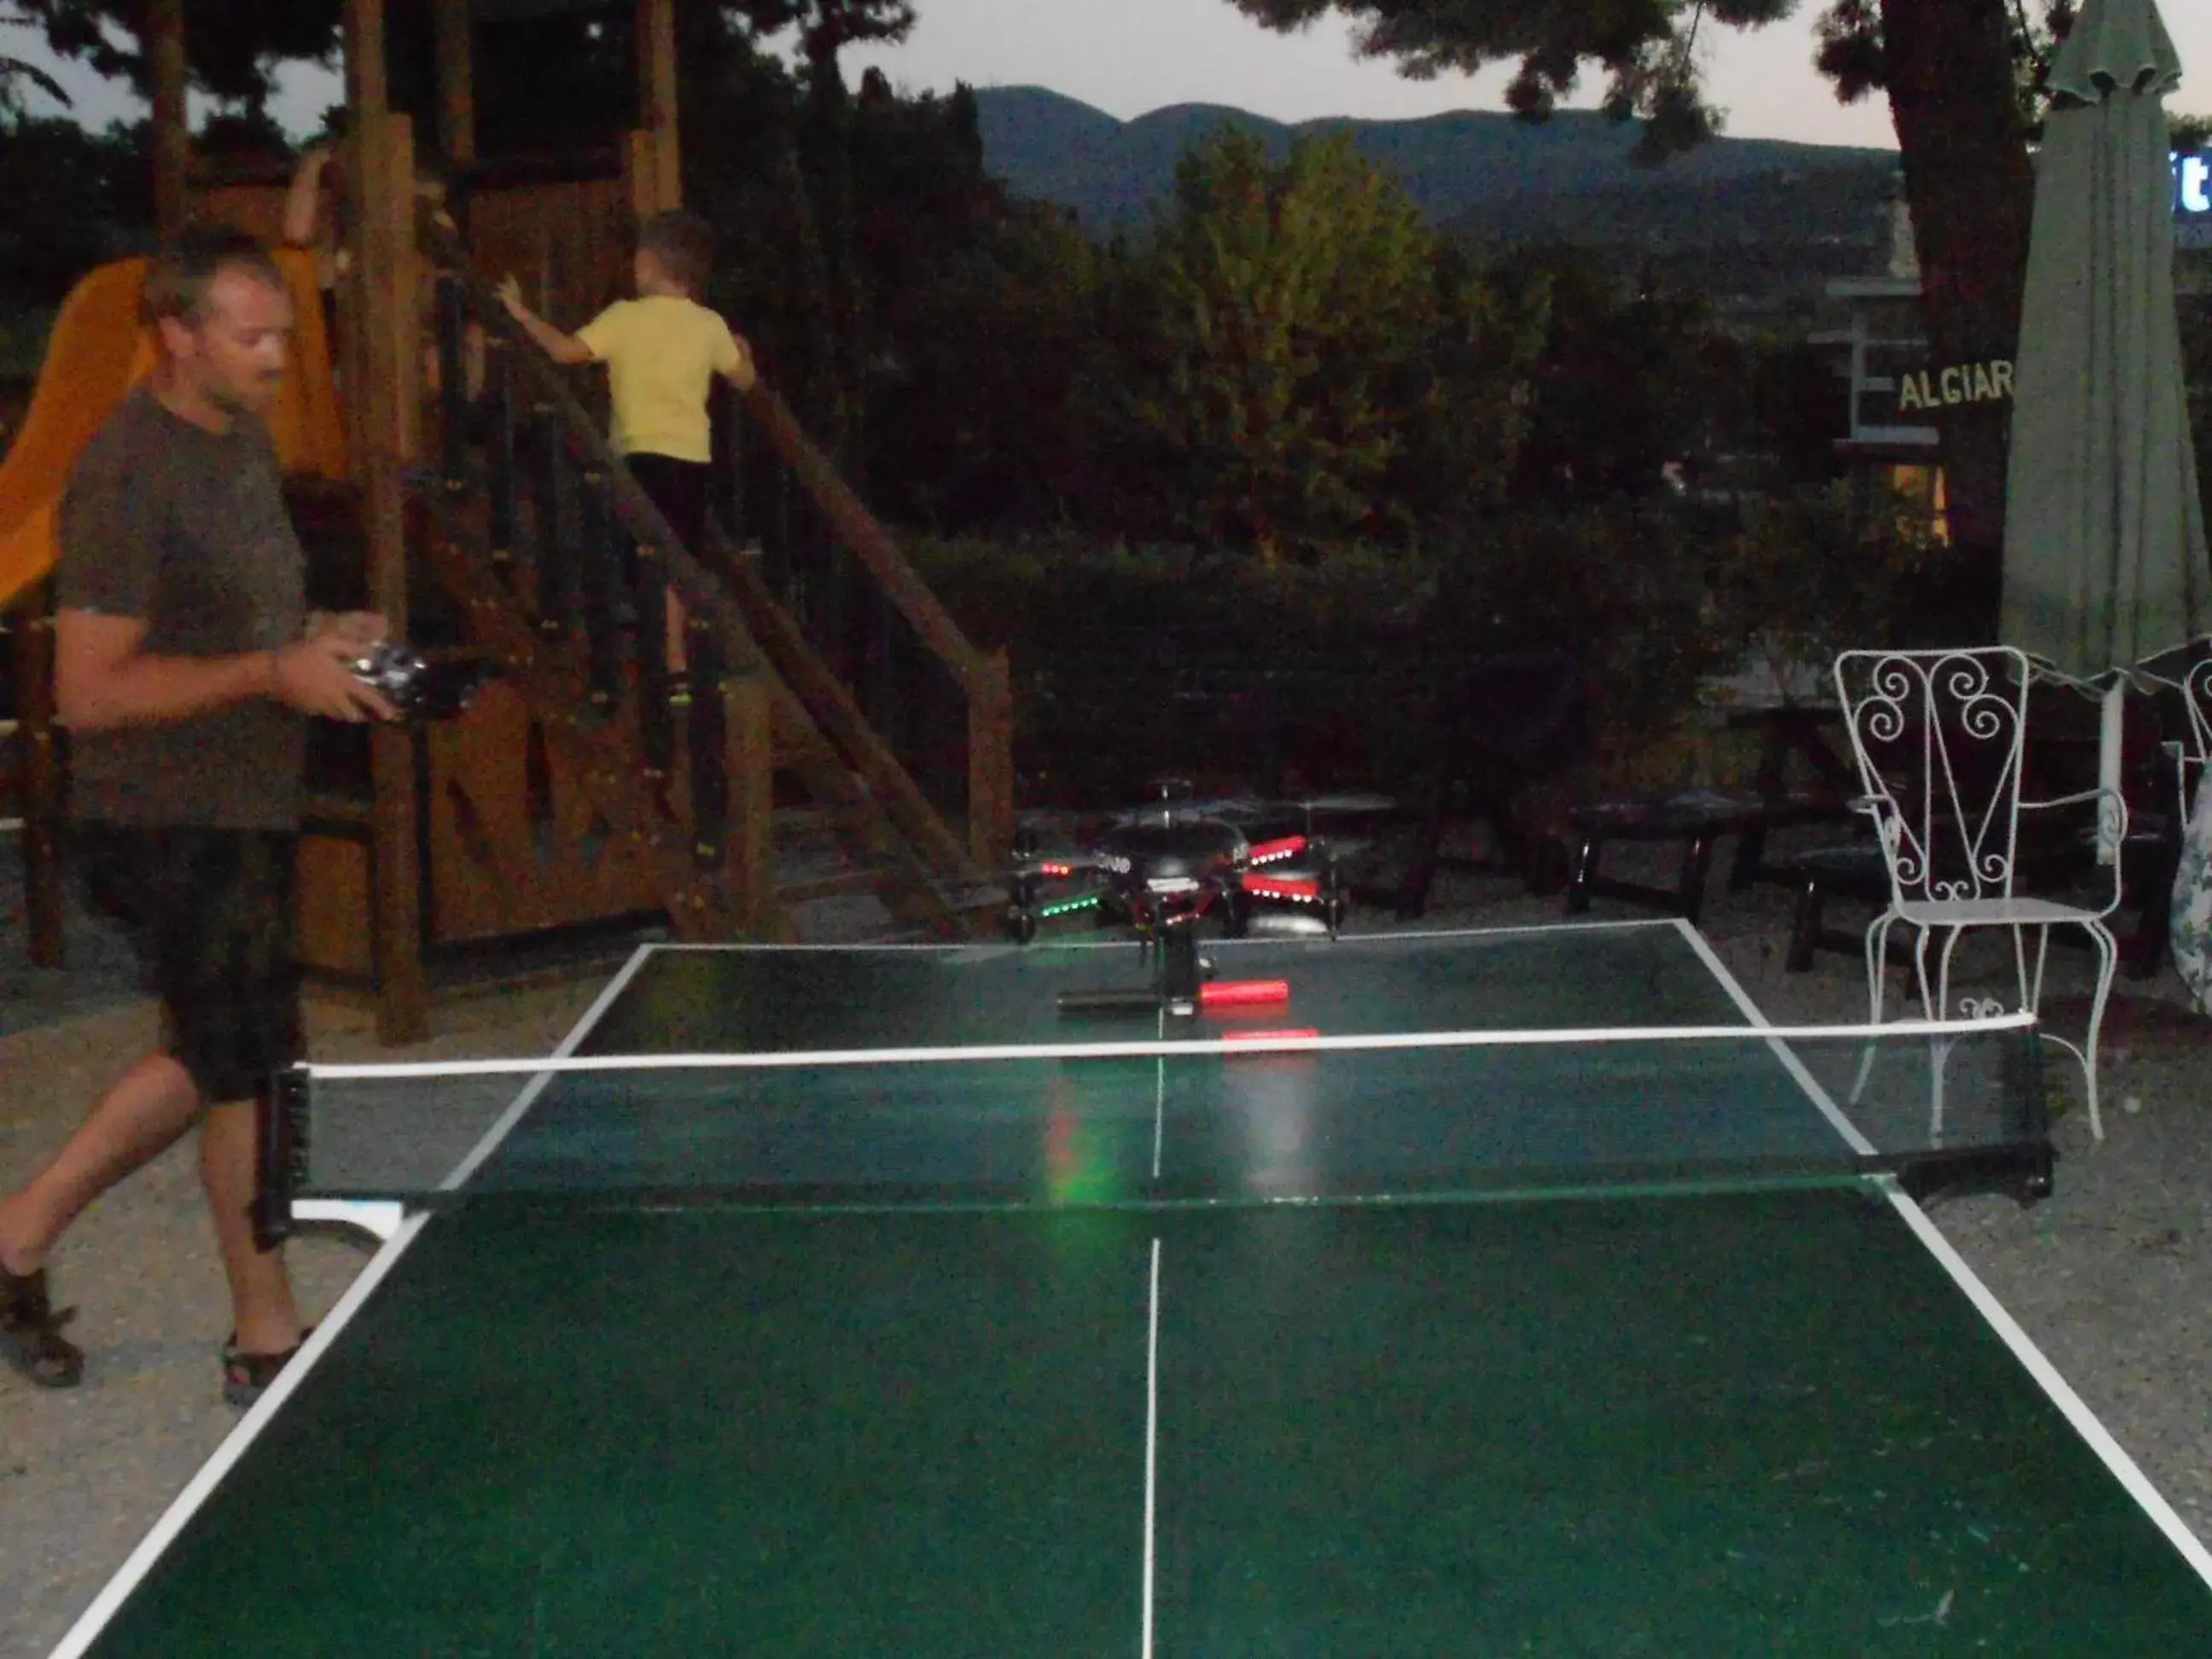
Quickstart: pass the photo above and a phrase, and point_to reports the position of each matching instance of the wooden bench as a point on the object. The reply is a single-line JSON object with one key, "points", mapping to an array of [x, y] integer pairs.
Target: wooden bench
{"points": [[1455, 739], [1854, 870], [1696, 820]]}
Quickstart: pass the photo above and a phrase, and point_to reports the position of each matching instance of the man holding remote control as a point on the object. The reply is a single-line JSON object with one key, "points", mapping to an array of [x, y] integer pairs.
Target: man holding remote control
{"points": [[185, 665]]}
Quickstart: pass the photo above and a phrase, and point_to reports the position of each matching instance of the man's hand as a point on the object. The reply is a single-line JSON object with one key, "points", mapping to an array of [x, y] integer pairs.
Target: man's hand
{"points": [[510, 295], [747, 371], [316, 676]]}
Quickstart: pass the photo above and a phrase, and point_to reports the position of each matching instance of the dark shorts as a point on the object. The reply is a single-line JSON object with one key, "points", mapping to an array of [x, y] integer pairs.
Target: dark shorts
{"points": [[210, 913], [679, 489]]}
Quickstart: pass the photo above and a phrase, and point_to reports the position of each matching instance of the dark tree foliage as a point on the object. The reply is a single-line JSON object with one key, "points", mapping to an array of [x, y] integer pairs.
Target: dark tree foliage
{"points": [[1852, 54], [542, 84], [577, 55], [1960, 75], [892, 291], [247, 135], [826, 27], [1625, 382], [1647, 49], [72, 196], [230, 45], [932, 329], [985, 393]]}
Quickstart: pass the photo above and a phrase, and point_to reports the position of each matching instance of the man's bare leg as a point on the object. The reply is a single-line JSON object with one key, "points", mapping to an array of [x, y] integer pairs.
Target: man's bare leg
{"points": [[141, 1117], [268, 1321]]}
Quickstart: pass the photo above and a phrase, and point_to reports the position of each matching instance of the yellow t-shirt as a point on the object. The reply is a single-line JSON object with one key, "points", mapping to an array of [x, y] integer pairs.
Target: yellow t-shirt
{"points": [[661, 354]]}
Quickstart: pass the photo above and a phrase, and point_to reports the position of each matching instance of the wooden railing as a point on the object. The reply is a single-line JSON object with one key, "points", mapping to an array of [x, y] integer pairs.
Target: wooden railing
{"points": [[36, 785], [877, 654], [599, 544]]}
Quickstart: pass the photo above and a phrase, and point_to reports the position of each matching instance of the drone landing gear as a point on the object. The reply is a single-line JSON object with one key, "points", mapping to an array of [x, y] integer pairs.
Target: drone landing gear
{"points": [[1235, 913], [1022, 903], [1180, 969], [1179, 973], [1335, 903]]}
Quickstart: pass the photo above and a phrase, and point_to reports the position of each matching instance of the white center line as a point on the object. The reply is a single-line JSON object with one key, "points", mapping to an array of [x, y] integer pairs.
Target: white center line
{"points": [[1151, 1449]]}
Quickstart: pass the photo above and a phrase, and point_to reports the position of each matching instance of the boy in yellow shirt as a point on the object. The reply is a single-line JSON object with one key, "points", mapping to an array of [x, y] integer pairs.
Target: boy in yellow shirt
{"points": [[662, 351]]}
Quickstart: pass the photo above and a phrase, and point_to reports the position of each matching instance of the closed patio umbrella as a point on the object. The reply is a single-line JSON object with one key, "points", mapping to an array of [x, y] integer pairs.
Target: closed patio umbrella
{"points": [[2106, 563]]}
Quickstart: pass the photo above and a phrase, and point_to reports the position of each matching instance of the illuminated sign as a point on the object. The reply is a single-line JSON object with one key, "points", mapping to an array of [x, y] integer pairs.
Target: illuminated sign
{"points": [[2192, 185], [1954, 384], [2192, 200]]}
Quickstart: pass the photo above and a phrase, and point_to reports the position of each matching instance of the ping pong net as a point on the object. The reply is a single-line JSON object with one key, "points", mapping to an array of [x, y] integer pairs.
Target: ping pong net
{"points": [[1268, 1117]]}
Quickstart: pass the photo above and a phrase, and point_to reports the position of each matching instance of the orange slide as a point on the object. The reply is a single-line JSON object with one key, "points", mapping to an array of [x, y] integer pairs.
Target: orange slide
{"points": [[98, 352]]}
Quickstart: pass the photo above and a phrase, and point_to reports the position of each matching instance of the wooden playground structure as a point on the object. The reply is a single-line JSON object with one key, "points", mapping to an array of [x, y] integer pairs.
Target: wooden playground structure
{"points": [[833, 694]]}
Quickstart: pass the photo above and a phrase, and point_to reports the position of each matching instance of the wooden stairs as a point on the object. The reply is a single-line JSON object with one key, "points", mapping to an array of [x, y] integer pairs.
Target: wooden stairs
{"points": [[565, 802]]}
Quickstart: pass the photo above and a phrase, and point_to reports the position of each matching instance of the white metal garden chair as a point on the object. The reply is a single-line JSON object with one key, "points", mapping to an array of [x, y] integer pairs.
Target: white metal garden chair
{"points": [[2194, 752], [1939, 737]]}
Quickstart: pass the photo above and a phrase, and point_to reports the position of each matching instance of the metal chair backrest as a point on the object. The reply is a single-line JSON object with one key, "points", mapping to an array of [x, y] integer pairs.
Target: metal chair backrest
{"points": [[1938, 737]]}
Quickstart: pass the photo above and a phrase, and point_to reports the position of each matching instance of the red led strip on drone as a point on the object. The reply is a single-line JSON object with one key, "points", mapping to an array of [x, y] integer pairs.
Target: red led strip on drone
{"points": [[1283, 887]]}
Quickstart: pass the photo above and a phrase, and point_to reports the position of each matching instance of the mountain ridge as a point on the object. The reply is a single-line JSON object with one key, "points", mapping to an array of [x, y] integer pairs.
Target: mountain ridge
{"points": [[1047, 145], [1752, 216]]}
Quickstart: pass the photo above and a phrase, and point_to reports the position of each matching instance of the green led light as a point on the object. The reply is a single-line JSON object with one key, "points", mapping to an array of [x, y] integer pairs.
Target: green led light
{"points": [[1051, 910]]}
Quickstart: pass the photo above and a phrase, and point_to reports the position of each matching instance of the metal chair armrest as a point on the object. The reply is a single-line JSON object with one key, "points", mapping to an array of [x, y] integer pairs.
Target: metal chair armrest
{"points": [[2111, 826], [2109, 801], [2073, 800]]}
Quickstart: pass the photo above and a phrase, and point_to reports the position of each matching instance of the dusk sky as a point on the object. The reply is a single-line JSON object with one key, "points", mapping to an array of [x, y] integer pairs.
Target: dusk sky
{"points": [[1127, 57]]}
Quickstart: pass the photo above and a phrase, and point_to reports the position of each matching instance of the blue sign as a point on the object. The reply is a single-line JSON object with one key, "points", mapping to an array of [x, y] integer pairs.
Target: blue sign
{"points": [[2192, 185], [2192, 200]]}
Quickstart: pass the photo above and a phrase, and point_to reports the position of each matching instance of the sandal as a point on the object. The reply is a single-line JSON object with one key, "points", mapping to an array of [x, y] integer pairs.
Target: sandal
{"points": [[245, 1375], [32, 1328]]}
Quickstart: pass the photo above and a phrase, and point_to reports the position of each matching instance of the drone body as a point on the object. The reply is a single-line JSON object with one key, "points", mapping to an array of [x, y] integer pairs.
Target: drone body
{"points": [[1166, 869]]}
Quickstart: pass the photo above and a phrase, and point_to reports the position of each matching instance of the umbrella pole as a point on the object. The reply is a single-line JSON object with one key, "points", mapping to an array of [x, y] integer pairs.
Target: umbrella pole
{"points": [[2108, 766]]}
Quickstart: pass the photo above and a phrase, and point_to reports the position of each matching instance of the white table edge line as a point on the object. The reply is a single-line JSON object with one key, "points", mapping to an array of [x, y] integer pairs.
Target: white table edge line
{"points": [[112, 1595], [2038, 1364]]}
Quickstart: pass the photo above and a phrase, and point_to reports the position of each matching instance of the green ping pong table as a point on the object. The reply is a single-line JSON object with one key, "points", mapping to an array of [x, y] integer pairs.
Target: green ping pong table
{"points": [[1549, 1302]]}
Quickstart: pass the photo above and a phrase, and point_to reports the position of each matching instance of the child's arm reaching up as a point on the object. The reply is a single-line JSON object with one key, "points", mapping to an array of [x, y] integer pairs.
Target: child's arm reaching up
{"points": [[741, 372], [561, 348], [303, 202]]}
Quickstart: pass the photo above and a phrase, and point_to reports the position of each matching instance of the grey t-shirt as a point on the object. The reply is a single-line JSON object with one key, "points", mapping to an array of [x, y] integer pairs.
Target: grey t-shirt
{"points": [[186, 530]]}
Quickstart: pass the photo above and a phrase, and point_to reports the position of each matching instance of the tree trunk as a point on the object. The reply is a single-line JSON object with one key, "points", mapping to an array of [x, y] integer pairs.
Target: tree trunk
{"points": [[164, 36], [1971, 190]]}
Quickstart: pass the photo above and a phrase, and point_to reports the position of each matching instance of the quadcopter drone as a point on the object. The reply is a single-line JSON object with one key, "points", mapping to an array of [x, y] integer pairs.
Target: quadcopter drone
{"points": [[1165, 869]]}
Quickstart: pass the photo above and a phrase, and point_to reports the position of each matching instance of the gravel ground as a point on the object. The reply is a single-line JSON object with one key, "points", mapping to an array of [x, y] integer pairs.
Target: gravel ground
{"points": [[2112, 1277]]}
